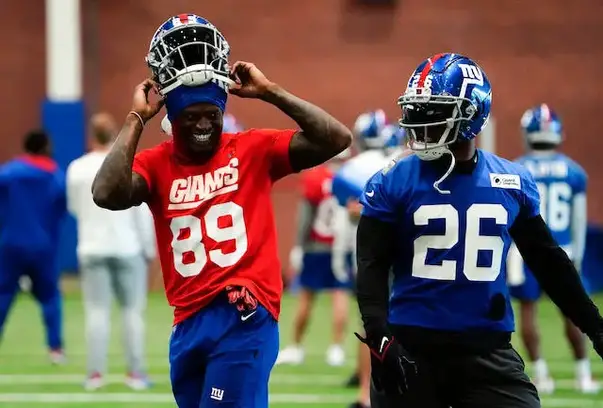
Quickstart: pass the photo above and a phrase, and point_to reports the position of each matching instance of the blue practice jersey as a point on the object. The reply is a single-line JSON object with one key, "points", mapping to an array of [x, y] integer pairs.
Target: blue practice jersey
{"points": [[559, 180], [450, 251], [350, 179], [32, 204]]}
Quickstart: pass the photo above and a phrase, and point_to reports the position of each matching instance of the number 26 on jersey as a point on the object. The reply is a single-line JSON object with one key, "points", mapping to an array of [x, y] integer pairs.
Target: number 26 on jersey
{"points": [[474, 242]]}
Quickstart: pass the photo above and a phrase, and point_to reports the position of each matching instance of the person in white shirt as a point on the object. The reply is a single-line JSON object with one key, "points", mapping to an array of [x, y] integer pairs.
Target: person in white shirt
{"points": [[114, 251]]}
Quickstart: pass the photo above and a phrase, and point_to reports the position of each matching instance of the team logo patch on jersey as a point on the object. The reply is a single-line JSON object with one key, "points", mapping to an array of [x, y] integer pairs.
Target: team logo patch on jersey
{"points": [[511, 181]]}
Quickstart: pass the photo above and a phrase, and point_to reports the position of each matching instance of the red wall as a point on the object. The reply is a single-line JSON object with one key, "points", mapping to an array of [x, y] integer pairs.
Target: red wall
{"points": [[346, 60]]}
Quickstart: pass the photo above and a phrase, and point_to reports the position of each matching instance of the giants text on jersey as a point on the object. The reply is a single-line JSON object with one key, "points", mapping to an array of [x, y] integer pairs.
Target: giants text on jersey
{"points": [[214, 221]]}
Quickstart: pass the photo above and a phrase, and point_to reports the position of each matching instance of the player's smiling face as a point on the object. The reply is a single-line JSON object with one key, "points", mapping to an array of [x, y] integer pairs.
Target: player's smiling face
{"points": [[199, 127]]}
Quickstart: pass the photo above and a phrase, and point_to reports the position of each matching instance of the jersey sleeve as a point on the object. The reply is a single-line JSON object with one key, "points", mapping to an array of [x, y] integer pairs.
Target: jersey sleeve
{"points": [[277, 141], [530, 205], [381, 196]]}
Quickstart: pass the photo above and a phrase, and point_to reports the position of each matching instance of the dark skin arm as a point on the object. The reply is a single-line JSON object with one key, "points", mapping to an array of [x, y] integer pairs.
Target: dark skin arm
{"points": [[321, 136], [115, 186]]}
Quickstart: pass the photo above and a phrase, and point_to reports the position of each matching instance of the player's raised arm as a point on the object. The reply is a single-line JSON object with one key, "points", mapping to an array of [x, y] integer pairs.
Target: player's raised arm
{"points": [[321, 137], [557, 274], [116, 187]]}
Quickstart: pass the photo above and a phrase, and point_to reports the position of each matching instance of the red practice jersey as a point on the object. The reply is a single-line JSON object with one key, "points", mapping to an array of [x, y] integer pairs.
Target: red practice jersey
{"points": [[214, 222], [316, 185]]}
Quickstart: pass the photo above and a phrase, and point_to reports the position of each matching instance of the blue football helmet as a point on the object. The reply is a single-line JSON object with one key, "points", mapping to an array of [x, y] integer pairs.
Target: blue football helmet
{"points": [[368, 129], [541, 124], [448, 98], [188, 50]]}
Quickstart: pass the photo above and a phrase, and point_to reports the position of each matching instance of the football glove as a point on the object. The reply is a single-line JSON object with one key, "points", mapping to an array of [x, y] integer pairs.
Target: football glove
{"points": [[392, 368]]}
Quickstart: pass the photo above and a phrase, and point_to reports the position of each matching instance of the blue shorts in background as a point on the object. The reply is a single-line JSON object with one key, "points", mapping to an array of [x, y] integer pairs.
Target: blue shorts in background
{"points": [[317, 274]]}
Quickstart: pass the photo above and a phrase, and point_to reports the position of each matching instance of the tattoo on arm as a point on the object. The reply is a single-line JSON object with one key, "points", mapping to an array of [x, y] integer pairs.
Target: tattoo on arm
{"points": [[115, 187], [321, 136]]}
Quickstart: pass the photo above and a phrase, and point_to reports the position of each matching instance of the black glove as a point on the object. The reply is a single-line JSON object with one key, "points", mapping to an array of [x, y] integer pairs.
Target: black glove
{"points": [[392, 368]]}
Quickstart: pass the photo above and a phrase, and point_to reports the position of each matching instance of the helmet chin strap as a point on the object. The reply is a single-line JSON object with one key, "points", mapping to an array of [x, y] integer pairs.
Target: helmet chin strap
{"points": [[436, 185], [435, 154]]}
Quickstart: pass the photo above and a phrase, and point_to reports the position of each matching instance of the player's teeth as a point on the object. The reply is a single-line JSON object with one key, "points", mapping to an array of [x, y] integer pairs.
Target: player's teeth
{"points": [[202, 137]]}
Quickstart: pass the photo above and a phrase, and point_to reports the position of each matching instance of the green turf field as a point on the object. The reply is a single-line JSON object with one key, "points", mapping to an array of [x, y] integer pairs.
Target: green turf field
{"points": [[28, 380]]}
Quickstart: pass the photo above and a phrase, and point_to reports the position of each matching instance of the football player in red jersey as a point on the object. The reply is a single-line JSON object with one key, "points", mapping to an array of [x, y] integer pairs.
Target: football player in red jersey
{"points": [[209, 193], [311, 259]]}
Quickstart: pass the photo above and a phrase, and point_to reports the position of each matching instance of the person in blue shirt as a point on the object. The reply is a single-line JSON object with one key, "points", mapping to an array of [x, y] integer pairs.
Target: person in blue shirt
{"points": [[562, 185], [32, 208], [444, 219]]}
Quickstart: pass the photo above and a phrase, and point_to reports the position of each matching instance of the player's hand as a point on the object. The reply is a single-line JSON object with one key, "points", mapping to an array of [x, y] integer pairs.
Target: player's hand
{"points": [[392, 368], [144, 103], [250, 82]]}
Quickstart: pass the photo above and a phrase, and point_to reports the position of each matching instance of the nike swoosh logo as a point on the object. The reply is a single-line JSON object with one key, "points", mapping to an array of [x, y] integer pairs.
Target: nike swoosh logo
{"points": [[384, 341], [243, 318], [370, 193]]}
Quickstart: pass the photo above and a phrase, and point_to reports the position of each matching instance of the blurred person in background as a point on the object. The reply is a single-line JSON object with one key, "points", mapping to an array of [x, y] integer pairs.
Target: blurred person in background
{"points": [[378, 142], [32, 208], [311, 259], [114, 251], [562, 186]]}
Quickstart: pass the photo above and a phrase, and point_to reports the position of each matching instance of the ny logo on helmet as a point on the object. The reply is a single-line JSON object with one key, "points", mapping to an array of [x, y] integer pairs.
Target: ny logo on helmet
{"points": [[471, 75], [472, 72]]}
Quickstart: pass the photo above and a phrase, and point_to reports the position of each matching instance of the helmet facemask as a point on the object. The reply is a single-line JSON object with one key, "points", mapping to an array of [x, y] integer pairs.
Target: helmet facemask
{"points": [[432, 121], [190, 55]]}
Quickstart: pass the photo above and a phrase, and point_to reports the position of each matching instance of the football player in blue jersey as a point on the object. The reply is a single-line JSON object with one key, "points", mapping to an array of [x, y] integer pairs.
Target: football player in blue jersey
{"points": [[444, 219], [562, 184], [377, 142]]}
